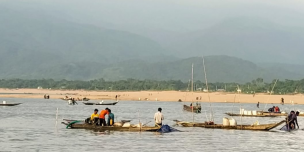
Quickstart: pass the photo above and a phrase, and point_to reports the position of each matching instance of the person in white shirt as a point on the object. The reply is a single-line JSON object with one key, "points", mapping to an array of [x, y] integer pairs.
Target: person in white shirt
{"points": [[158, 117]]}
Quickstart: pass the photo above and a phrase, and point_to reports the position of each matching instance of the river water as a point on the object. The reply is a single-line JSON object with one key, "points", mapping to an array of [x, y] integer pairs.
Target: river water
{"points": [[31, 126]]}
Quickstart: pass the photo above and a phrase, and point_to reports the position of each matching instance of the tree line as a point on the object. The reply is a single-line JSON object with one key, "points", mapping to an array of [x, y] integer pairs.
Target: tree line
{"points": [[255, 86]]}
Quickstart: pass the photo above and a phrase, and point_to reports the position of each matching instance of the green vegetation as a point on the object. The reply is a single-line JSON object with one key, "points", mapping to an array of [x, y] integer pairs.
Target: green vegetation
{"points": [[256, 86]]}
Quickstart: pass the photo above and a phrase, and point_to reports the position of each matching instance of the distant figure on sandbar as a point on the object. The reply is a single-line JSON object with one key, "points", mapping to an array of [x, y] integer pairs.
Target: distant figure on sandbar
{"points": [[282, 101], [116, 97], [258, 105]]}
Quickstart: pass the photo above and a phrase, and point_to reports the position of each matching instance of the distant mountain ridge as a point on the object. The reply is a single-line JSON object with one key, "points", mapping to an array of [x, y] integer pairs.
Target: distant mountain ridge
{"points": [[219, 69], [253, 39], [34, 45]]}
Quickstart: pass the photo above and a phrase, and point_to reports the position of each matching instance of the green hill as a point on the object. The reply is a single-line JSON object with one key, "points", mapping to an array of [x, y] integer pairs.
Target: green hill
{"points": [[33, 41], [34, 45]]}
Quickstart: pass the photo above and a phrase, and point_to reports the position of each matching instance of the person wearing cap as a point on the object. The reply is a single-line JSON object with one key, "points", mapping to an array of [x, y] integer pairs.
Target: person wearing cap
{"points": [[102, 115], [158, 117]]}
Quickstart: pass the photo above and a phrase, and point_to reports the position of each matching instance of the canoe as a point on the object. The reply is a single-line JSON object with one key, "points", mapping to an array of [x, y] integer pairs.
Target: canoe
{"points": [[196, 109], [261, 127], [262, 114], [257, 115], [83, 125], [9, 104], [92, 103]]}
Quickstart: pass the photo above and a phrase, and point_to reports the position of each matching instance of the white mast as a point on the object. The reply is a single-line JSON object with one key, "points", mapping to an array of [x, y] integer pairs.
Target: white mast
{"points": [[211, 114], [192, 93]]}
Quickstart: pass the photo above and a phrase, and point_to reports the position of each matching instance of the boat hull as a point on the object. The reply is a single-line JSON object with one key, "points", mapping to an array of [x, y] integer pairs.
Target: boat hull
{"points": [[11, 104], [262, 114], [262, 127], [83, 125], [258, 115], [90, 103]]}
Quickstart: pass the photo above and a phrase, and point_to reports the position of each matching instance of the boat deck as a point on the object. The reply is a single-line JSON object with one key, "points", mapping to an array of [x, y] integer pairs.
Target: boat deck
{"points": [[262, 127]]}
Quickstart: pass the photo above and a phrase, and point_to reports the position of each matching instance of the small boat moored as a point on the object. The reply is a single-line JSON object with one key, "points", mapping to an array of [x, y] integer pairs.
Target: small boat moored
{"points": [[100, 103], [9, 104], [254, 113], [195, 109]]}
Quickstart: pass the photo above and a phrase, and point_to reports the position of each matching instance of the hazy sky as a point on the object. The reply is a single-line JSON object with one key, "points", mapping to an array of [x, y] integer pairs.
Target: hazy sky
{"points": [[171, 15], [165, 20]]}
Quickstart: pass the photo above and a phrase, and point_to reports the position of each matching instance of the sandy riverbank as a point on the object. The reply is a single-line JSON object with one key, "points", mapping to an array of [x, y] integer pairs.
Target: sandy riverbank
{"points": [[152, 96]]}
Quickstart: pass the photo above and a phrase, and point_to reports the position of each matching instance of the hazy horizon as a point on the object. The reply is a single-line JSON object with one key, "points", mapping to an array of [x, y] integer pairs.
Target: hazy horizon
{"points": [[168, 21], [115, 37]]}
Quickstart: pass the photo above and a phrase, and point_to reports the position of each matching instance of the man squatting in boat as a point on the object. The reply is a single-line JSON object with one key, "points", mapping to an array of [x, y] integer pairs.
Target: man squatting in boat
{"points": [[99, 119], [158, 117]]}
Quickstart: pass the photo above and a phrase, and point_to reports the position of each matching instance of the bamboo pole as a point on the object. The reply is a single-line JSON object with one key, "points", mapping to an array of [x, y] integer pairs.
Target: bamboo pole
{"points": [[192, 94]]}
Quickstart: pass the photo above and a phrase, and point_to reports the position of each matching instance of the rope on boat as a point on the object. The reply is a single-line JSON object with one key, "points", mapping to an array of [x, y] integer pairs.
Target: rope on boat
{"points": [[270, 93], [71, 123]]}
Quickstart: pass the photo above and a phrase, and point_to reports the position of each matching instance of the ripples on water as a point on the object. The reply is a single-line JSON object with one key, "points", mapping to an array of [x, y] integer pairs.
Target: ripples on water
{"points": [[31, 127]]}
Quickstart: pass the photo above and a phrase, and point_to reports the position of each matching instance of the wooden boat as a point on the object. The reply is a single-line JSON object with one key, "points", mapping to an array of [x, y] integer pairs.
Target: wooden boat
{"points": [[9, 104], [258, 115], [82, 125], [262, 114], [101, 103], [261, 127], [196, 109]]}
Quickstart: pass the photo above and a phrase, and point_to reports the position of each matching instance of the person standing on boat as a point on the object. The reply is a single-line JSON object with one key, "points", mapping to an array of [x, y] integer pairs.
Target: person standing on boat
{"points": [[158, 117], [110, 118], [292, 120], [102, 115]]}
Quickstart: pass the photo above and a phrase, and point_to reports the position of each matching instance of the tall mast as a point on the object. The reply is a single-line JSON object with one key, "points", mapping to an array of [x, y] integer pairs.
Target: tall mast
{"points": [[211, 111], [192, 79], [205, 75], [192, 93]]}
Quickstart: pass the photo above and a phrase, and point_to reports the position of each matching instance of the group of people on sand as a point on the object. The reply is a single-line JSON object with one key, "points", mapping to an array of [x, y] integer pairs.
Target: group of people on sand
{"points": [[100, 119]]}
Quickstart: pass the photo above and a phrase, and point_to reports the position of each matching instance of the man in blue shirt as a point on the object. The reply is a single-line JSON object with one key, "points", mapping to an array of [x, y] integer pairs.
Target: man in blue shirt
{"points": [[110, 118]]}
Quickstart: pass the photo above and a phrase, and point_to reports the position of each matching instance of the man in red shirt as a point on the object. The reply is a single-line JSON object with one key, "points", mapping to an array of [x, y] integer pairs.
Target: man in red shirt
{"points": [[102, 120]]}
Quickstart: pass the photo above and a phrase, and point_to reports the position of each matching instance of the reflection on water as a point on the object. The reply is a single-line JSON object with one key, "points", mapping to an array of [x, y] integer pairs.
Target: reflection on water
{"points": [[31, 126]]}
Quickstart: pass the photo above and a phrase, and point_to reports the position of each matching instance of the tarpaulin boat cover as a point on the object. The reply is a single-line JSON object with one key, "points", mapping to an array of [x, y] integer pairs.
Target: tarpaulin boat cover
{"points": [[167, 129]]}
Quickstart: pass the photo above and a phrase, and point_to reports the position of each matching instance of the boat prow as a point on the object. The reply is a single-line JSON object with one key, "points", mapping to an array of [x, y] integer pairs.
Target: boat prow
{"points": [[9, 104]]}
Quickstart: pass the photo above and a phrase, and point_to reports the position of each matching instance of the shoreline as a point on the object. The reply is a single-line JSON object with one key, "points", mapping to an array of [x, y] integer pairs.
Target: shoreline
{"points": [[170, 96]]}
